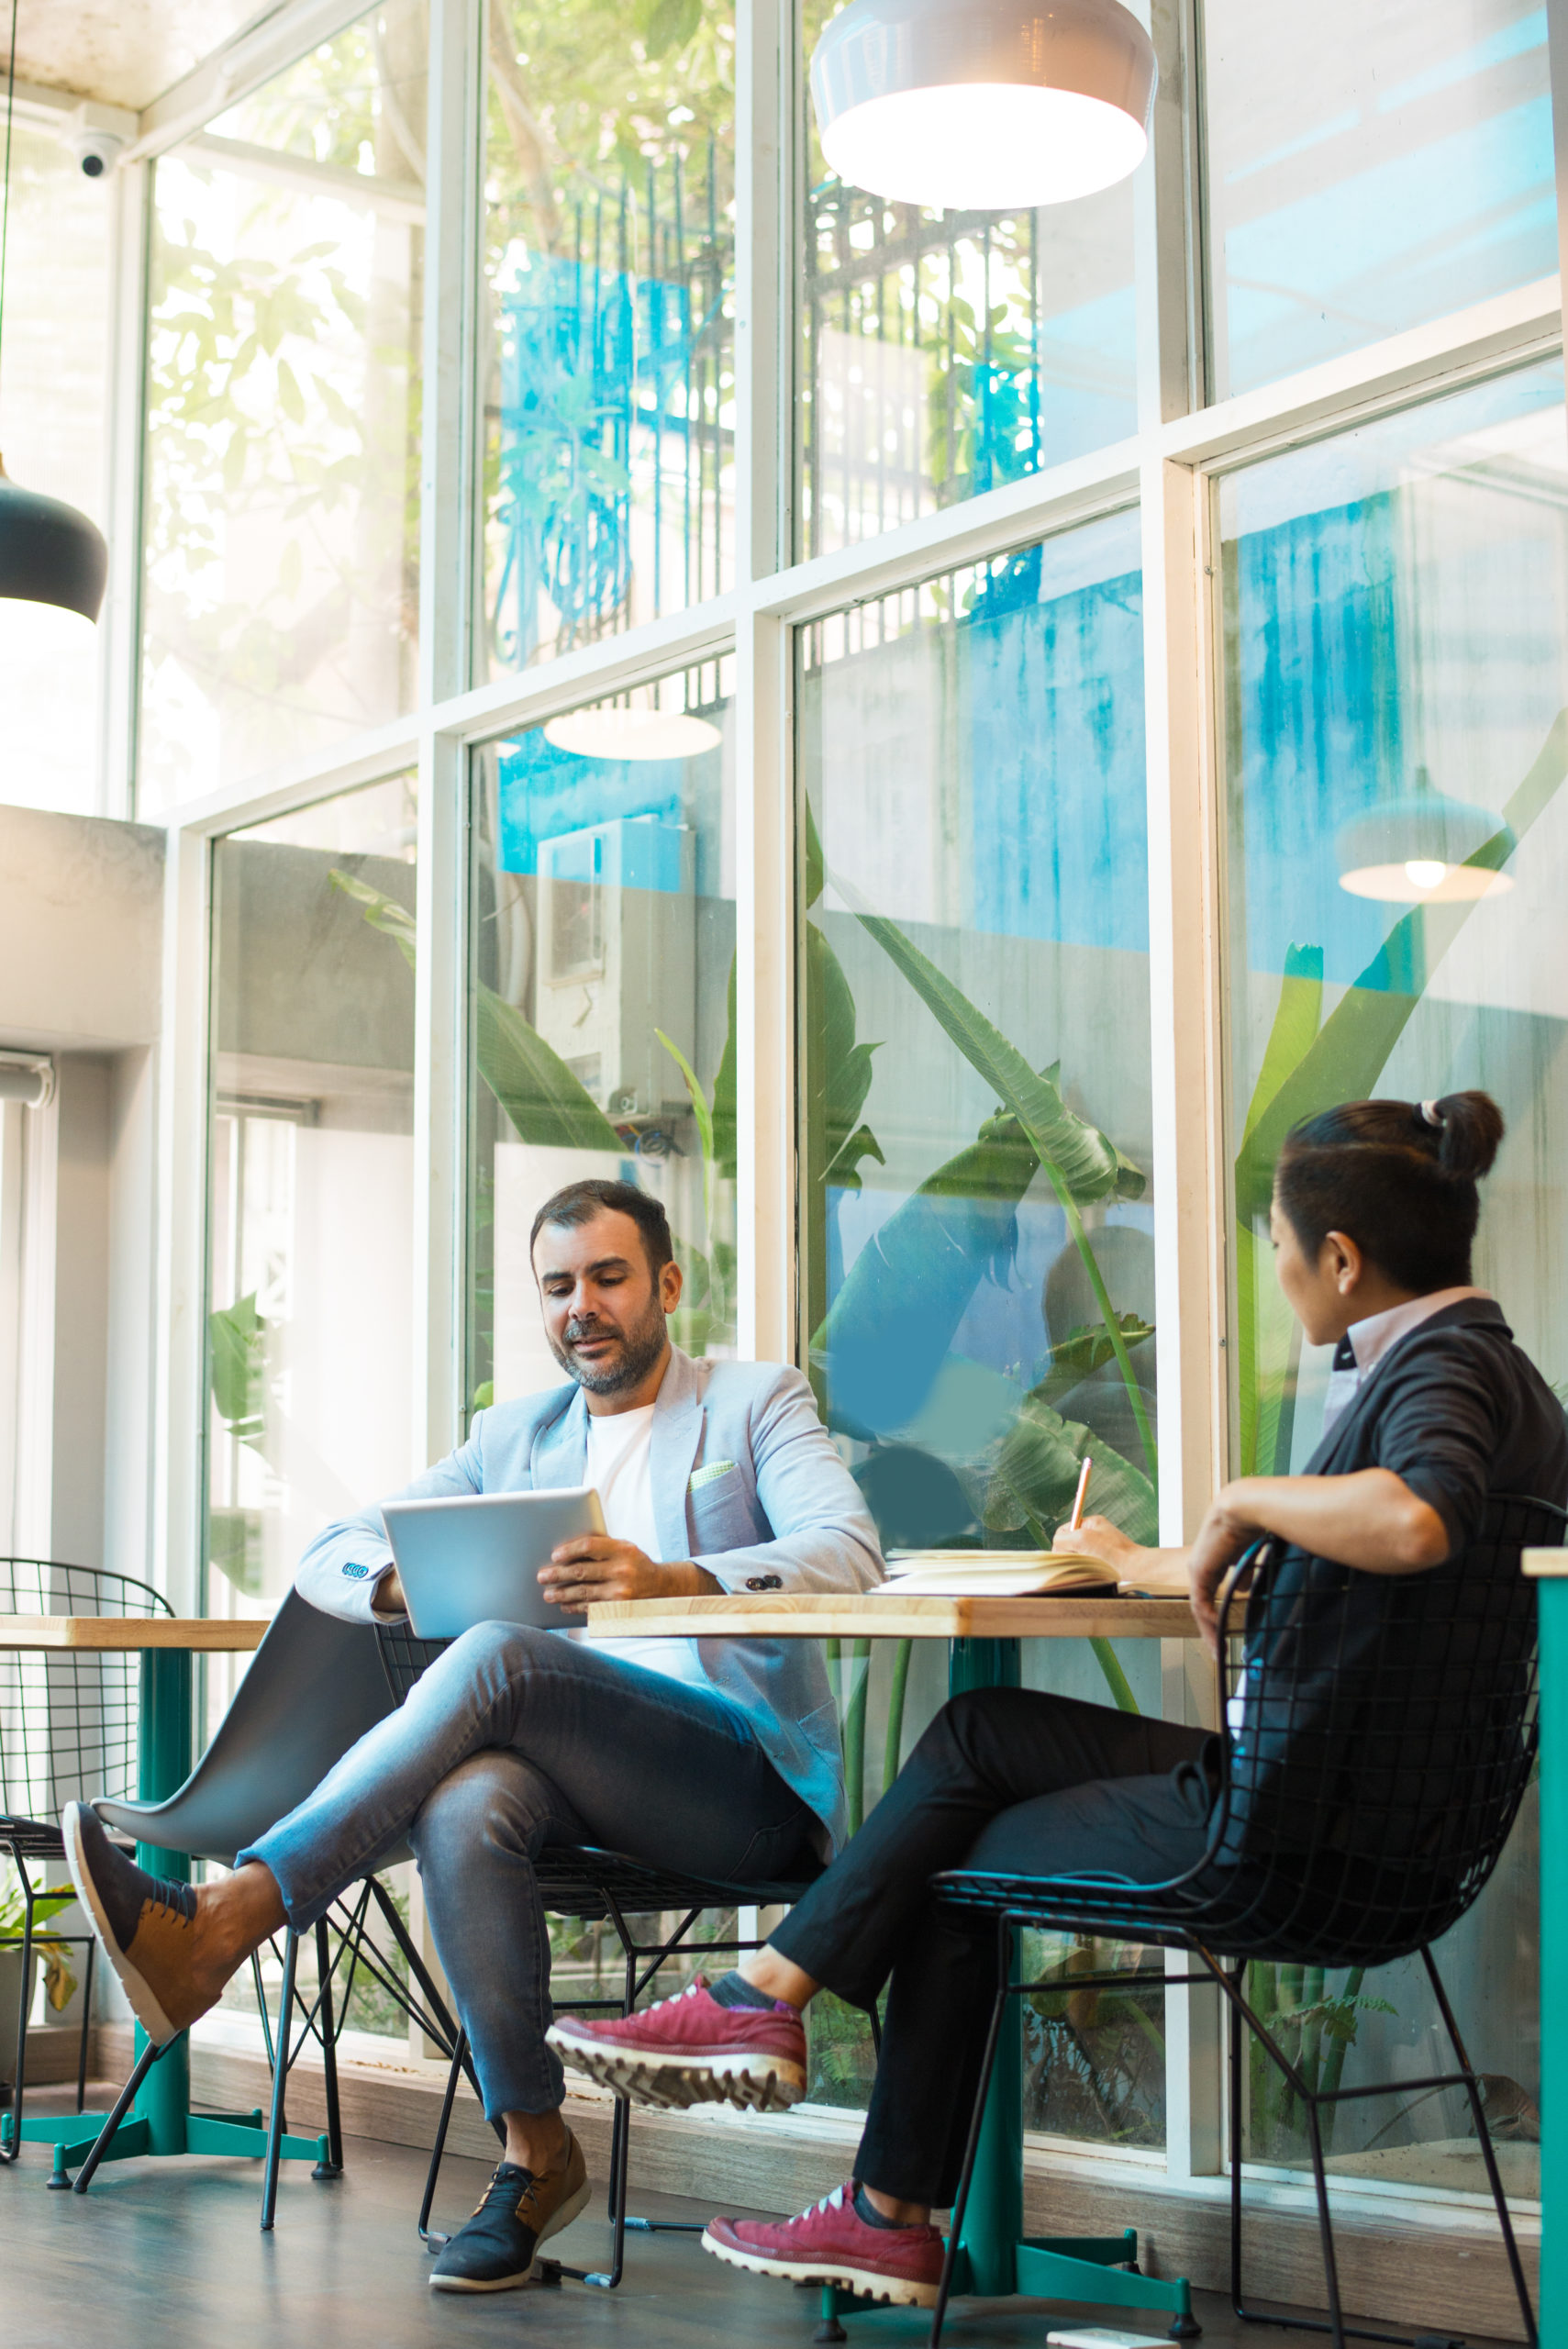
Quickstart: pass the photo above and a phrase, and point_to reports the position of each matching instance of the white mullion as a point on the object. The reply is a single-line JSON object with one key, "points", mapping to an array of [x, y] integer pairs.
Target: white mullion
{"points": [[592, 672], [765, 1222], [180, 1413], [240, 66], [119, 643], [374, 757]]}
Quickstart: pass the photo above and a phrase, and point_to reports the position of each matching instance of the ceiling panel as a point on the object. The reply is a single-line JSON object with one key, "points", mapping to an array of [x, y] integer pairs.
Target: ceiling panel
{"points": [[122, 52]]}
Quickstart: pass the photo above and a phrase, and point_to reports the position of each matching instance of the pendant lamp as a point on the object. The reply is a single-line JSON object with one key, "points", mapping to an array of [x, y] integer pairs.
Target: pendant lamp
{"points": [[49, 552], [1415, 850], [632, 734], [983, 105]]}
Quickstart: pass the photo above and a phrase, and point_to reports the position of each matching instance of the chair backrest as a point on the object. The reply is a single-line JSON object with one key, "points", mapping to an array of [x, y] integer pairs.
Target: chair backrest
{"points": [[1382, 1733], [314, 1687], [67, 1721]]}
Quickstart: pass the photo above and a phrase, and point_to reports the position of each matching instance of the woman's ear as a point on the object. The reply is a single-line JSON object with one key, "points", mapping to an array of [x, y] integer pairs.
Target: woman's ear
{"points": [[1342, 1262]]}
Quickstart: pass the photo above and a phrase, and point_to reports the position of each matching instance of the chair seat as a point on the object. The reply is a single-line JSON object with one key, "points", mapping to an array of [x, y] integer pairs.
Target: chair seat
{"points": [[32, 1839], [581, 1880], [1325, 1919]]}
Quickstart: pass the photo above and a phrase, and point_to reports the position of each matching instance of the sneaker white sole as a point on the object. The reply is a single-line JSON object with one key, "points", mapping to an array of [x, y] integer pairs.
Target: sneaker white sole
{"points": [[898, 2292], [573, 2207], [751, 2083], [144, 2003]]}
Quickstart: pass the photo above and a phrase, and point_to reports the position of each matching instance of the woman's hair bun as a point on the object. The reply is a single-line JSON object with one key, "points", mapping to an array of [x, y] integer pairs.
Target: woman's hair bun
{"points": [[1468, 1132]]}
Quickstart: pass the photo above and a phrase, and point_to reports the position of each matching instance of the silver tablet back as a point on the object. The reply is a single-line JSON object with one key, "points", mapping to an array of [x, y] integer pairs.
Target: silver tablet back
{"points": [[474, 1558]]}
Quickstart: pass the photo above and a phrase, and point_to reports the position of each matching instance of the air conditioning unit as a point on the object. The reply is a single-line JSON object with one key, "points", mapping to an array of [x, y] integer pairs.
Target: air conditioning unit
{"points": [[617, 959]]}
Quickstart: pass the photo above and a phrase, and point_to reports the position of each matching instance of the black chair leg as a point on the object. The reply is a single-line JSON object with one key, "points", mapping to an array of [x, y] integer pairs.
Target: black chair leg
{"points": [[86, 2028], [123, 2103], [1324, 2225], [971, 2151], [333, 2165], [460, 2056], [280, 2083], [19, 2086], [1488, 2152]]}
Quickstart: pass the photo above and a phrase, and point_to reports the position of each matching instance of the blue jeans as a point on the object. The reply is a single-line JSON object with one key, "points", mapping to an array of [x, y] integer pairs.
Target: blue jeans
{"points": [[512, 1740]]}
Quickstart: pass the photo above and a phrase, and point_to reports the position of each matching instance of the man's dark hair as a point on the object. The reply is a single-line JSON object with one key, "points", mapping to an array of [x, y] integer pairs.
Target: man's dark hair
{"points": [[579, 1203], [1398, 1178]]}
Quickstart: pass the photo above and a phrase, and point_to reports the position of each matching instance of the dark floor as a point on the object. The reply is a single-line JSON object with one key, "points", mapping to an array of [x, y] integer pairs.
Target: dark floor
{"points": [[161, 2254]]}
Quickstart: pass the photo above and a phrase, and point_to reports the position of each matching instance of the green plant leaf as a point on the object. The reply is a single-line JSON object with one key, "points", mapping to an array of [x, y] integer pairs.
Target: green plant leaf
{"points": [[724, 1143], [1085, 1350], [1034, 1478], [1298, 1016], [538, 1093], [1086, 1162], [382, 912], [237, 1341]]}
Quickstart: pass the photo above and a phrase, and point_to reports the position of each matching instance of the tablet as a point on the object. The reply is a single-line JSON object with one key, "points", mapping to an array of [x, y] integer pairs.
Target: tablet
{"points": [[474, 1558]]}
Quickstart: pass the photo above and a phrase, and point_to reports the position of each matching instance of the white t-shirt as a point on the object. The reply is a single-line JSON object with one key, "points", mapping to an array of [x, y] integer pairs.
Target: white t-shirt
{"points": [[619, 1445]]}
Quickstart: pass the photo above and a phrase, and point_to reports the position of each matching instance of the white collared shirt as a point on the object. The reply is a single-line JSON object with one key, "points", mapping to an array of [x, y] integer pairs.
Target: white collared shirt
{"points": [[1366, 1343]]}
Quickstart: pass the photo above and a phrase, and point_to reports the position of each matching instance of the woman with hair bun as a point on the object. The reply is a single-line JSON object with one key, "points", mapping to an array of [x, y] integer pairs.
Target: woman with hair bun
{"points": [[1432, 1408]]}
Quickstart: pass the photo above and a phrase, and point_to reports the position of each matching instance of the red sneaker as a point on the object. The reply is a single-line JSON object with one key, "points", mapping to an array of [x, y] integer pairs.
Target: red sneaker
{"points": [[831, 2243], [690, 2050]]}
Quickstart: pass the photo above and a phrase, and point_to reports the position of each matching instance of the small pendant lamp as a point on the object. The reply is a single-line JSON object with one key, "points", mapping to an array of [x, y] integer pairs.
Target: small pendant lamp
{"points": [[1415, 850], [49, 552], [983, 105]]}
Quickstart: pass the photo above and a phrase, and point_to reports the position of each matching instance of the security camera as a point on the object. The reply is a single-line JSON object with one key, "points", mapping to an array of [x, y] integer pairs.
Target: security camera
{"points": [[97, 151]]}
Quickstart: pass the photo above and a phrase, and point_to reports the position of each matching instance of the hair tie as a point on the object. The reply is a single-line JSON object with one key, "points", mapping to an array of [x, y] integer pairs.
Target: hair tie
{"points": [[1433, 1115]]}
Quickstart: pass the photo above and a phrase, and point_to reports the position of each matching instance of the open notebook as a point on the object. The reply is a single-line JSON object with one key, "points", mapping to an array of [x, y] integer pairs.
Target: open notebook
{"points": [[993, 1574]]}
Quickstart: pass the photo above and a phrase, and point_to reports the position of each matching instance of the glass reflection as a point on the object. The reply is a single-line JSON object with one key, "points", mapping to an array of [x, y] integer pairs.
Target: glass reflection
{"points": [[602, 1001], [1396, 636], [1369, 169], [607, 370], [282, 584]]}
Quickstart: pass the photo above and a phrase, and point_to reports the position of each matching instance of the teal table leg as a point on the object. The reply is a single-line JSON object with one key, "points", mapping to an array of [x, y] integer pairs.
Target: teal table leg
{"points": [[1552, 1592], [994, 2222]]}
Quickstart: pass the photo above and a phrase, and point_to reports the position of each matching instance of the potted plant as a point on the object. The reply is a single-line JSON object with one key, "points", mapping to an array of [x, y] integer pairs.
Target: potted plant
{"points": [[17, 1995]]}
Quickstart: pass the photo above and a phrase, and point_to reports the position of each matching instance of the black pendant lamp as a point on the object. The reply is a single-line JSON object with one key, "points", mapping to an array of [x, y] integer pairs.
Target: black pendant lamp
{"points": [[49, 552]]}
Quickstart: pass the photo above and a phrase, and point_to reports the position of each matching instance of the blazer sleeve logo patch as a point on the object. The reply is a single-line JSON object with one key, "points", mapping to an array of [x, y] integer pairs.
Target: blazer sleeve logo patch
{"points": [[356, 1574]]}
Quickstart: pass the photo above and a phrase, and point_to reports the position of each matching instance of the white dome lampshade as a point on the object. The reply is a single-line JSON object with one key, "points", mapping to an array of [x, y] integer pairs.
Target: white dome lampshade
{"points": [[983, 105], [1415, 850], [617, 733]]}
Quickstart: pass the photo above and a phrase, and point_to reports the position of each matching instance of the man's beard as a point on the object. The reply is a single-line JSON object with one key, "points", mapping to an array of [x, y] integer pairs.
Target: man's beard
{"points": [[642, 1343]]}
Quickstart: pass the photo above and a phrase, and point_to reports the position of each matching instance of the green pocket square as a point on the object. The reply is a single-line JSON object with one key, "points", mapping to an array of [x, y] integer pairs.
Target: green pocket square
{"points": [[710, 1475]]}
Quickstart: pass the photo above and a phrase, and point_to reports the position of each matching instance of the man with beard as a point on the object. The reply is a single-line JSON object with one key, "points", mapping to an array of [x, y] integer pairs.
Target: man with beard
{"points": [[712, 1757]]}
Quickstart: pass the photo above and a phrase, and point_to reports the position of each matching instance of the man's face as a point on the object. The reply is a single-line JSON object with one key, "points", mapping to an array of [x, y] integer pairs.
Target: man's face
{"points": [[604, 1311]]}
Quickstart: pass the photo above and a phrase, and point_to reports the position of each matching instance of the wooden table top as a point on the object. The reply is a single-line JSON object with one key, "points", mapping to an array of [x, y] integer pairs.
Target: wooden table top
{"points": [[125, 1635], [866, 1615], [1545, 1566]]}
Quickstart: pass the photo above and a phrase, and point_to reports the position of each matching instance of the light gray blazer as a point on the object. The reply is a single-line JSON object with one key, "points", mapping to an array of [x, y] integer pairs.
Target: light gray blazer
{"points": [[745, 1479]]}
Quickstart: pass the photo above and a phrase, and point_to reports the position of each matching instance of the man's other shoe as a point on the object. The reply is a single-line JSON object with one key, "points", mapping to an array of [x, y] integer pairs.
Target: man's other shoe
{"points": [[143, 1923], [496, 2250], [831, 2243], [690, 2050]]}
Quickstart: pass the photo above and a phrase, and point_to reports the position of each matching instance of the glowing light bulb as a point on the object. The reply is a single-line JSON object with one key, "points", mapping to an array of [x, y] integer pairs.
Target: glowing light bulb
{"points": [[1424, 871]]}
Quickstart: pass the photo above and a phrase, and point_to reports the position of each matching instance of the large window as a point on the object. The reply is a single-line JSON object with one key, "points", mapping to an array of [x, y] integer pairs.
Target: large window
{"points": [[607, 368], [309, 1332], [1369, 169], [57, 339], [949, 352], [978, 1272], [1396, 639], [602, 1001], [282, 417]]}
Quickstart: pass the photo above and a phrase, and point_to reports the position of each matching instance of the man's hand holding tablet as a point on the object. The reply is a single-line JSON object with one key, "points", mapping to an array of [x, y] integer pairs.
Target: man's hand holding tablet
{"points": [[593, 1566]]}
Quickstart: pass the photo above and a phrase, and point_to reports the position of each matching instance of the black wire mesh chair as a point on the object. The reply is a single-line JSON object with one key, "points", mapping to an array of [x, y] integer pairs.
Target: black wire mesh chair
{"points": [[578, 1880], [1380, 1737], [68, 1727]]}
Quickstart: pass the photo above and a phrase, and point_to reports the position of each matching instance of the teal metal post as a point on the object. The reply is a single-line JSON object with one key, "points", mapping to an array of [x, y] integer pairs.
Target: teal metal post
{"points": [[163, 1764], [1553, 1599], [994, 2222]]}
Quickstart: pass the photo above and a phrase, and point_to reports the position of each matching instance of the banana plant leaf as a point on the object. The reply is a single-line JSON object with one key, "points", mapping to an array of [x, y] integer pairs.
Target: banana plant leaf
{"points": [[1264, 1413], [1085, 1163], [839, 1068], [1083, 1352], [1036, 1473], [533, 1085], [726, 1148], [892, 1323], [1348, 1054], [236, 1338]]}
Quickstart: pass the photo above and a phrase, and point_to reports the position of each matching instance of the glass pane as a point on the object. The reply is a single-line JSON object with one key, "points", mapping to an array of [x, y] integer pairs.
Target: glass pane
{"points": [[57, 311], [1397, 627], [310, 1323], [947, 352], [1369, 169], [282, 428], [608, 372], [602, 1001], [975, 833]]}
